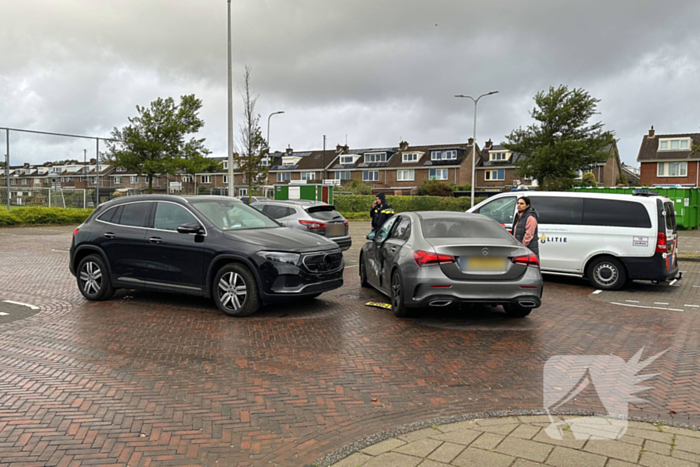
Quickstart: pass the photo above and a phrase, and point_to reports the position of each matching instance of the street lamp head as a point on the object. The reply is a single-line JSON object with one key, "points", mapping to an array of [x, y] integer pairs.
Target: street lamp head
{"points": [[492, 92]]}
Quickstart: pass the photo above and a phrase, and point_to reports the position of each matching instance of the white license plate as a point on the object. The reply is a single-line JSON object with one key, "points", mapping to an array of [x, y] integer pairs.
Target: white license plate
{"points": [[484, 264]]}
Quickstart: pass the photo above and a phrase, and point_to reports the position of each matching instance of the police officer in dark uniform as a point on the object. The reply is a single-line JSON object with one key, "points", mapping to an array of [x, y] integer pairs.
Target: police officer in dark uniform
{"points": [[380, 212]]}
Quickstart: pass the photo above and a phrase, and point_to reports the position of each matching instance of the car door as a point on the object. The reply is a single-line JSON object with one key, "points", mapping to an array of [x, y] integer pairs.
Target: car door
{"points": [[123, 239], [171, 258], [390, 248], [374, 260]]}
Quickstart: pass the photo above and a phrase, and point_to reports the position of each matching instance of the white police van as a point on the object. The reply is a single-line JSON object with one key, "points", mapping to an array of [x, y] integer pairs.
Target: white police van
{"points": [[608, 239]]}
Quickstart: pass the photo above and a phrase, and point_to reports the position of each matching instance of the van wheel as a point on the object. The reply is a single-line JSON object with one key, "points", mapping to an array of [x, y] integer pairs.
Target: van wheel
{"points": [[607, 273]]}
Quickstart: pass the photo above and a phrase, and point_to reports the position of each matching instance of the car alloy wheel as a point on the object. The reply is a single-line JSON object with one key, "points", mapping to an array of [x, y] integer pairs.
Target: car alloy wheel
{"points": [[397, 304], [91, 278], [94, 281], [232, 291]]}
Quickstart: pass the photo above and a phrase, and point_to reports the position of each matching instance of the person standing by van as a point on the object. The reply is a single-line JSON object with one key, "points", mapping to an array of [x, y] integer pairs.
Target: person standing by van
{"points": [[525, 225]]}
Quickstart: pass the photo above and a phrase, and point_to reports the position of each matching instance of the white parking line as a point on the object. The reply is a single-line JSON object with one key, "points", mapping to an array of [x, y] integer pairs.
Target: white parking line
{"points": [[694, 306], [22, 304], [660, 303], [2, 313], [597, 292], [632, 301], [647, 307], [60, 251]]}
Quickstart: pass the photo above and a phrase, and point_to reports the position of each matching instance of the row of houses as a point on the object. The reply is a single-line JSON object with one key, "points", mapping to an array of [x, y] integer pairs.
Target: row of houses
{"points": [[664, 159]]}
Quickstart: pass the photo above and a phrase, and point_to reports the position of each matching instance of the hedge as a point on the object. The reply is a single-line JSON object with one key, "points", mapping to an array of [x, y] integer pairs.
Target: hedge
{"points": [[43, 216], [356, 216], [360, 203]]}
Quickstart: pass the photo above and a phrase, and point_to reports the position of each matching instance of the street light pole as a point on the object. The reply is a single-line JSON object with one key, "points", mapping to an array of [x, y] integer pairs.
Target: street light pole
{"points": [[268, 125], [231, 186], [476, 101]]}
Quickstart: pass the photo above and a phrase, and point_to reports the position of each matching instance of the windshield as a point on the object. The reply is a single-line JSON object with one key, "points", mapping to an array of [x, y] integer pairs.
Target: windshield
{"points": [[233, 215]]}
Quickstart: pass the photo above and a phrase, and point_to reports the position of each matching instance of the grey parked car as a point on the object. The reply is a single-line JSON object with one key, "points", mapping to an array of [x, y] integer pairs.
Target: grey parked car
{"points": [[438, 259], [310, 216]]}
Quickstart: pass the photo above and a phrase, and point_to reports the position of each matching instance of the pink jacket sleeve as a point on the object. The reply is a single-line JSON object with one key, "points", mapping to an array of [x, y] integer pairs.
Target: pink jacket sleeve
{"points": [[529, 230]]}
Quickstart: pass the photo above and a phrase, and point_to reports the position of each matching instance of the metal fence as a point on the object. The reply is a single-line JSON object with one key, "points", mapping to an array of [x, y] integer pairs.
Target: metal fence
{"points": [[25, 149]]}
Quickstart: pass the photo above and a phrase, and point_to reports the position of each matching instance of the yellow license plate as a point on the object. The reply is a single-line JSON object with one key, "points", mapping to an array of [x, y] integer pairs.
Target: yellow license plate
{"points": [[486, 264]]}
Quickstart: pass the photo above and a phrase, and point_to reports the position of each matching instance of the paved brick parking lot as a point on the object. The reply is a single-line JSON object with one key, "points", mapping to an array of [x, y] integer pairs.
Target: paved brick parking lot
{"points": [[156, 379]]}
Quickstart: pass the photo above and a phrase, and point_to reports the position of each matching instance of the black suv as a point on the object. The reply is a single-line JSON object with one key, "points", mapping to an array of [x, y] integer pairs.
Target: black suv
{"points": [[212, 246]]}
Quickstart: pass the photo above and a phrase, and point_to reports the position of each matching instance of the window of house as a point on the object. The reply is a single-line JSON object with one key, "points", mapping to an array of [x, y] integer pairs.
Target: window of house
{"points": [[492, 175], [410, 157], [346, 159], [225, 179], [499, 156], [375, 157], [13, 182], [117, 180], [265, 162], [370, 175], [443, 155], [24, 181], [225, 165], [343, 175], [243, 192], [284, 176], [438, 174], [675, 144], [187, 178], [133, 180], [308, 176], [121, 169], [672, 169], [405, 175], [206, 179]]}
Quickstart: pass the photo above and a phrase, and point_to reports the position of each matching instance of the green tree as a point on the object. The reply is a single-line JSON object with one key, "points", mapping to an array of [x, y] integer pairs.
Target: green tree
{"points": [[154, 142], [358, 187], [435, 188], [254, 147], [562, 140]]}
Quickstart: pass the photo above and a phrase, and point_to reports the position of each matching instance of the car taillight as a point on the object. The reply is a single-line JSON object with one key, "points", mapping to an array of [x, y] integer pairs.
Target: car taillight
{"points": [[528, 260], [313, 225], [76, 231], [426, 258], [347, 224], [507, 228], [661, 243]]}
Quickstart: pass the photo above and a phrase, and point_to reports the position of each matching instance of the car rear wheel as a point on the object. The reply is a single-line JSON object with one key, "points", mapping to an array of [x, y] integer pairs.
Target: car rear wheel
{"points": [[363, 273], [235, 291], [397, 302], [607, 273], [94, 280], [516, 311]]}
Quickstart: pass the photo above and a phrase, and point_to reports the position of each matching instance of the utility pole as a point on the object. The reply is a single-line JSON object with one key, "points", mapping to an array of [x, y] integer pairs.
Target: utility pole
{"points": [[231, 185], [7, 167], [323, 178], [97, 173]]}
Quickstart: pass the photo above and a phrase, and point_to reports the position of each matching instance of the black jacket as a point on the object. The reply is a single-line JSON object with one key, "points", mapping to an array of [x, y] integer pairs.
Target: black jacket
{"points": [[380, 214]]}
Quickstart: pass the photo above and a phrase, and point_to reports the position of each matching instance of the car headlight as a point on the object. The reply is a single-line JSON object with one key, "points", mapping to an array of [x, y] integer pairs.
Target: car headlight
{"points": [[280, 257]]}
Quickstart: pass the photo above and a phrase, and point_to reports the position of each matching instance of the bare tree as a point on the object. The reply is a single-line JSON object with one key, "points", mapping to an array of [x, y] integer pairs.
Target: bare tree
{"points": [[254, 148]]}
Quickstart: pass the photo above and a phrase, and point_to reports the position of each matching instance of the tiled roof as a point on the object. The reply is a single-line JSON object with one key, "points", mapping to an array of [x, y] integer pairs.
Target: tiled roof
{"points": [[650, 145]]}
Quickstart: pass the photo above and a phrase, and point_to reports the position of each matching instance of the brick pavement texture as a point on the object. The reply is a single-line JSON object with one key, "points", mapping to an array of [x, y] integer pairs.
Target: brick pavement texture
{"points": [[151, 379], [523, 442], [689, 244]]}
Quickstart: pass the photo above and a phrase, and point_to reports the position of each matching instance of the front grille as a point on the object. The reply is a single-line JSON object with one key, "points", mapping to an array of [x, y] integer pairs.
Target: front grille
{"points": [[323, 262]]}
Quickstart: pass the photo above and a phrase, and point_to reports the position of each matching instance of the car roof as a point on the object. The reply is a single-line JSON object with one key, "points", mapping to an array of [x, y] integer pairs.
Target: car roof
{"points": [[578, 194], [172, 198]]}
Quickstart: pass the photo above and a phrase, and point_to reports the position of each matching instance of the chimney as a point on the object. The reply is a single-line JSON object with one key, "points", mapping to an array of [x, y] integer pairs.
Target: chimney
{"points": [[289, 150], [403, 145], [651, 132], [93, 161], [26, 165], [471, 141], [488, 144]]}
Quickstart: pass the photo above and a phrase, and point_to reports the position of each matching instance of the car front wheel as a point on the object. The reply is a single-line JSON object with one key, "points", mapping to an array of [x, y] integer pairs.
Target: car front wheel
{"points": [[235, 291], [94, 280]]}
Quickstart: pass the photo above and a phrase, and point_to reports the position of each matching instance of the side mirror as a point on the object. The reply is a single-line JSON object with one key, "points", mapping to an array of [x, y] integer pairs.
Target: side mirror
{"points": [[191, 228], [371, 235]]}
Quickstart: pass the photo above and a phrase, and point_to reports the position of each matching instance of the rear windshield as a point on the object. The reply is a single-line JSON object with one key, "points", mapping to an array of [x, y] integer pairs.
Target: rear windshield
{"points": [[462, 228], [670, 216], [324, 213]]}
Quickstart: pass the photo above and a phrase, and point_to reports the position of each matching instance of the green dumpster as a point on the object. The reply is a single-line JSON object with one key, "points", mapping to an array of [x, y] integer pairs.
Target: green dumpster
{"points": [[323, 193]]}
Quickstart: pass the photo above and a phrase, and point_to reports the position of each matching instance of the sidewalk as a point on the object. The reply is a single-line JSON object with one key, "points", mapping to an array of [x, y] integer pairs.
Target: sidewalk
{"points": [[689, 245], [525, 442]]}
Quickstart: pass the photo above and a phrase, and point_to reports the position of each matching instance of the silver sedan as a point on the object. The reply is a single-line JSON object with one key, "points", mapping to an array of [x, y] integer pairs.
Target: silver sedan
{"points": [[439, 259]]}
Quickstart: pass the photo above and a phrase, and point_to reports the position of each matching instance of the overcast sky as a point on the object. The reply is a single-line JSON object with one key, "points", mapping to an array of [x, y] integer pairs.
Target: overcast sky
{"points": [[374, 71]]}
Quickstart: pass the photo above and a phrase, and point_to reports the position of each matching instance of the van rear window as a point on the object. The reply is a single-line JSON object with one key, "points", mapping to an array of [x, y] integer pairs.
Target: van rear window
{"points": [[670, 216], [614, 213]]}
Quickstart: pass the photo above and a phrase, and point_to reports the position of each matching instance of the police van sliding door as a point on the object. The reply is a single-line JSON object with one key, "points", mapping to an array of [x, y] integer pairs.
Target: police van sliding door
{"points": [[560, 239]]}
